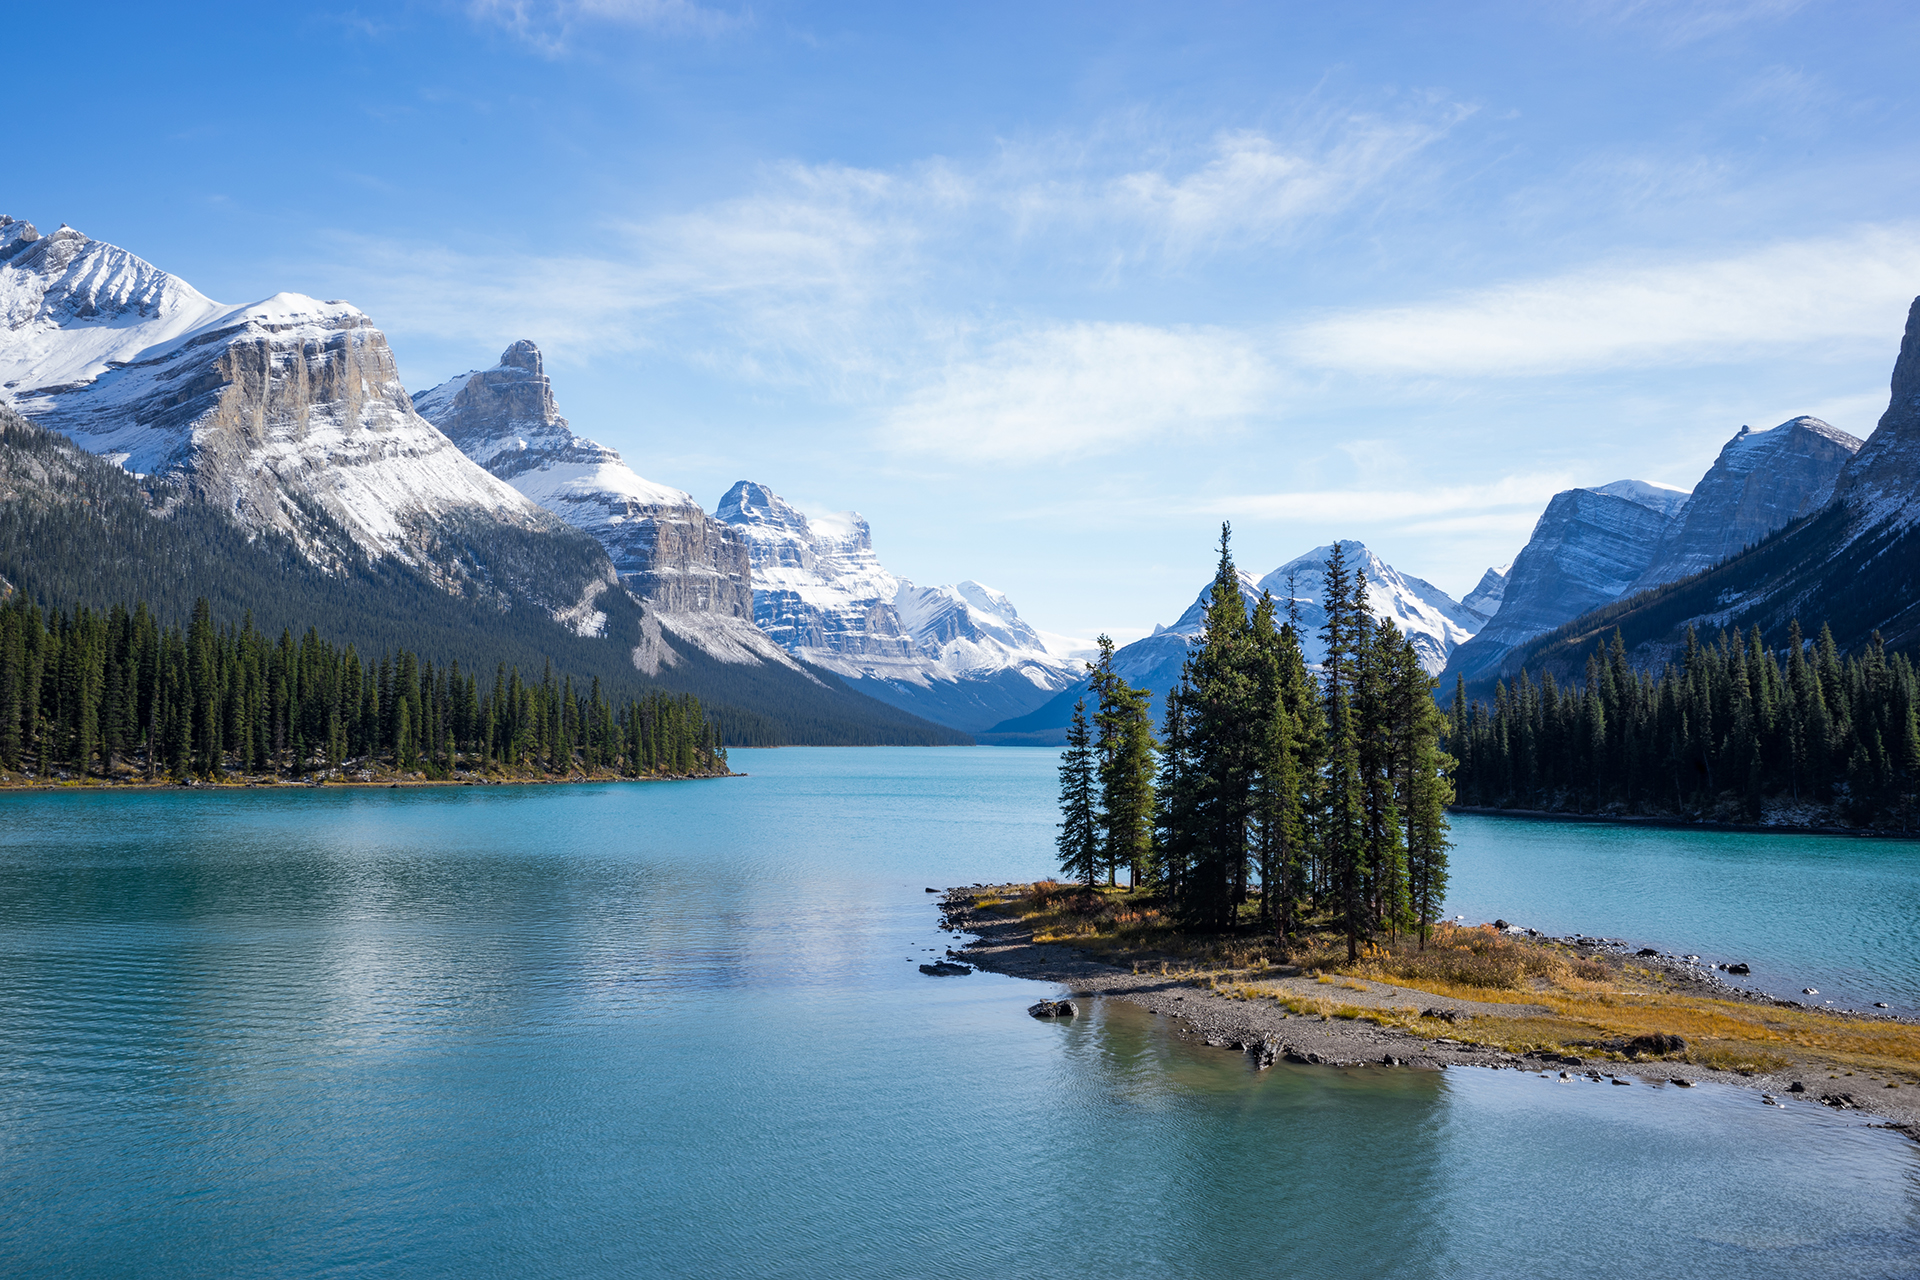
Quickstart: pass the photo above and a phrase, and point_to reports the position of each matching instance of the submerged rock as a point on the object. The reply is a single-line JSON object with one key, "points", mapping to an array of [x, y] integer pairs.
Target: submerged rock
{"points": [[1053, 1009], [945, 969]]}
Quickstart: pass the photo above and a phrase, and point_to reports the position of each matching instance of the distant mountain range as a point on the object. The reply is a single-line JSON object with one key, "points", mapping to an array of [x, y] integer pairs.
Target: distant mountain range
{"points": [[285, 422], [267, 456]]}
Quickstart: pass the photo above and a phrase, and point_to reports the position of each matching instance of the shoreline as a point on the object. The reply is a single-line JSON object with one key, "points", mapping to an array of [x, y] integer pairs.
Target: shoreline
{"points": [[1268, 1033], [373, 784], [1681, 824]]}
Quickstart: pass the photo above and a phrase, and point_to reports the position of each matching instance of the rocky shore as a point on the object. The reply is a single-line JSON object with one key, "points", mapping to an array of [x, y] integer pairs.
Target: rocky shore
{"points": [[1268, 1033]]}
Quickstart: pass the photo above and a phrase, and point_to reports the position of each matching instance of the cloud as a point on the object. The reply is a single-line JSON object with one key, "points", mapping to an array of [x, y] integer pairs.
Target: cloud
{"points": [[1477, 502], [1078, 389], [549, 25], [1252, 189], [1682, 22], [1796, 295]]}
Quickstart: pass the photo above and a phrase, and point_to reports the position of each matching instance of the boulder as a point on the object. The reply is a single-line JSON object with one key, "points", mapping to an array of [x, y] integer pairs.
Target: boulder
{"points": [[1740, 967], [1052, 1009], [1659, 1044], [945, 969]]}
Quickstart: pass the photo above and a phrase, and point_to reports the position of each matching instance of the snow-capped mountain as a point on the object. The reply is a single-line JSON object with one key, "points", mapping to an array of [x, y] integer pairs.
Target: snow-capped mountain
{"points": [[692, 570], [1592, 547], [287, 414], [1853, 564], [1434, 621], [1485, 599], [1760, 481], [1587, 548], [959, 655]]}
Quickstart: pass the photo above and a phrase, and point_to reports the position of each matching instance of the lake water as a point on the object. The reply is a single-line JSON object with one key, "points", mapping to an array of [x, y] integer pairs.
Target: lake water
{"points": [[677, 1029]]}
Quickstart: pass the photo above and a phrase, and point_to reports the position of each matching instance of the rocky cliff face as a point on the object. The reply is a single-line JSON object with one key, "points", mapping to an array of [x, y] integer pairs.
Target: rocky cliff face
{"points": [[287, 414], [1760, 481], [958, 655], [1587, 548], [664, 546]]}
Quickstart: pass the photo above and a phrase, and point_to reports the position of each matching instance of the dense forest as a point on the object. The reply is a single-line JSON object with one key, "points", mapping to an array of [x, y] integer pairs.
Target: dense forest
{"points": [[78, 530], [116, 695], [1732, 731], [1323, 795]]}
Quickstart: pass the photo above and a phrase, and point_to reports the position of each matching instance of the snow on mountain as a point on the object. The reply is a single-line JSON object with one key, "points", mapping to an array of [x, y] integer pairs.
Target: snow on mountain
{"points": [[692, 569], [1760, 481], [1485, 598], [1434, 621], [1586, 549], [960, 655], [288, 414]]}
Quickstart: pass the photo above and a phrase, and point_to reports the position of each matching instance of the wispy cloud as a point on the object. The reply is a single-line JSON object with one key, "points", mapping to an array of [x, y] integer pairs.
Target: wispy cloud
{"points": [[551, 25], [1803, 295], [1682, 22], [1476, 501], [1080, 389]]}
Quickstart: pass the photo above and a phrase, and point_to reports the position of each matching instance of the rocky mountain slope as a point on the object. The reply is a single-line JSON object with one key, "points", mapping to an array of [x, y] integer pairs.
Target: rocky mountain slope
{"points": [[1853, 564], [691, 571], [285, 422], [1592, 547], [1586, 550], [288, 414], [1760, 481], [958, 655], [1435, 622]]}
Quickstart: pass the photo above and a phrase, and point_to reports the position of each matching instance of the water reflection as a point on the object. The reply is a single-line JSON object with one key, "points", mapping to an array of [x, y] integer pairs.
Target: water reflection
{"points": [[680, 1031]]}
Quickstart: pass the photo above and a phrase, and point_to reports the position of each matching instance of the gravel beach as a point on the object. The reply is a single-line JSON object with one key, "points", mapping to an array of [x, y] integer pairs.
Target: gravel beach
{"points": [[1268, 1033]]}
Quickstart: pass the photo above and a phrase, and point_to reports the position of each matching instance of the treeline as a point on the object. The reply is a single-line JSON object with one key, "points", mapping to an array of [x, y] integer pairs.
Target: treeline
{"points": [[1326, 793], [1730, 729], [116, 694]]}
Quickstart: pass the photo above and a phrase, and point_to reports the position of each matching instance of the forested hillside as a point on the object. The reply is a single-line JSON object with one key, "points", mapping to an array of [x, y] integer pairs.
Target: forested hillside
{"points": [[116, 695], [77, 530], [1733, 730]]}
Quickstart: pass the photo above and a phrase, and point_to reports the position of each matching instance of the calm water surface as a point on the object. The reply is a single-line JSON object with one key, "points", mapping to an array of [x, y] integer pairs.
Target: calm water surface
{"points": [[666, 1030]]}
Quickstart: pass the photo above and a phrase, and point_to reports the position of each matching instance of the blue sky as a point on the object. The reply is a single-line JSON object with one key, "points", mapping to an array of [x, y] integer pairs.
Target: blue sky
{"points": [[1047, 291]]}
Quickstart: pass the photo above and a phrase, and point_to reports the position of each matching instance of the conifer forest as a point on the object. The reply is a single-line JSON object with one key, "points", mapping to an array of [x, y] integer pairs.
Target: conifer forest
{"points": [[1733, 730], [114, 695], [1273, 795]]}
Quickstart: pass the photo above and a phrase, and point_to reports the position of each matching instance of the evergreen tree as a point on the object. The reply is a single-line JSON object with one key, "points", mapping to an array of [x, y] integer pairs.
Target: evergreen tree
{"points": [[1079, 839]]}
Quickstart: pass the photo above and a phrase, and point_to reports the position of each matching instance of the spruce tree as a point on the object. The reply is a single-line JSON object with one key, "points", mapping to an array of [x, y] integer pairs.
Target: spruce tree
{"points": [[1079, 839]]}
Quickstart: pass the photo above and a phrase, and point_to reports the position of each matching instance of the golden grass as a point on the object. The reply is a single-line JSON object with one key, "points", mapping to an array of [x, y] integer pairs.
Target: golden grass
{"points": [[1575, 1004]]}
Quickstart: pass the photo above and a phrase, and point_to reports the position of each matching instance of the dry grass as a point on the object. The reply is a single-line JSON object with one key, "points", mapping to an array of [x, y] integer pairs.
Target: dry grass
{"points": [[1574, 1004]]}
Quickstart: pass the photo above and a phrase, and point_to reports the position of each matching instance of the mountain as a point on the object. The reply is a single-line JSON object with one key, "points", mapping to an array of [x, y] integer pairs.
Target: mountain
{"points": [[691, 570], [1485, 599], [287, 413], [1435, 622], [267, 457], [1595, 546], [1587, 548], [1760, 481], [1853, 564], [957, 655]]}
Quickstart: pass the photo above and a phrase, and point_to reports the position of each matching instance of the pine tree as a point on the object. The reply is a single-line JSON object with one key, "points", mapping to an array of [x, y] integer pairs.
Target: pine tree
{"points": [[1079, 839]]}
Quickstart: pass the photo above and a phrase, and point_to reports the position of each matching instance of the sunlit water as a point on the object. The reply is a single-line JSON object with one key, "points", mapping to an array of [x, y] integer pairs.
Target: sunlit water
{"points": [[678, 1029]]}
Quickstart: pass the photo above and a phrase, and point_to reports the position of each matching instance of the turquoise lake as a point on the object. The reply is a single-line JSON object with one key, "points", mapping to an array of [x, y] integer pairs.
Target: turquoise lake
{"points": [[677, 1030]]}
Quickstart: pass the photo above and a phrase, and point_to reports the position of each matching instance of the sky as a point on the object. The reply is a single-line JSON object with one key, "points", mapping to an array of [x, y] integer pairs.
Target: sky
{"points": [[1049, 291]]}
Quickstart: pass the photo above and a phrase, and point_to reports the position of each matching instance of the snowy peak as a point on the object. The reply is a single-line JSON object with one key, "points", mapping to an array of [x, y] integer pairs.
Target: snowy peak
{"points": [[664, 546], [1760, 481], [1663, 498], [1884, 476], [1433, 620], [957, 654], [1485, 598]]}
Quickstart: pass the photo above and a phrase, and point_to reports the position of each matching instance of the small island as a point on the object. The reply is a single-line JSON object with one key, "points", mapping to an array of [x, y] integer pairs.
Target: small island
{"points": [[1492, 995]]}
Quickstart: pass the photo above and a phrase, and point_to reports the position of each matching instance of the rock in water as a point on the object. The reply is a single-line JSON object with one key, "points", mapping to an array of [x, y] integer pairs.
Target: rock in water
{"points": [[1053, 1009], [945, 969]]}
